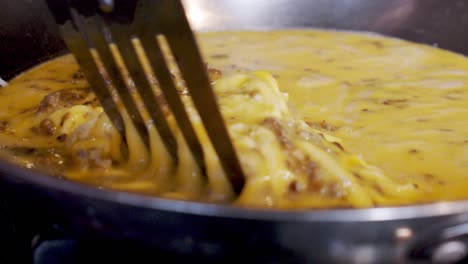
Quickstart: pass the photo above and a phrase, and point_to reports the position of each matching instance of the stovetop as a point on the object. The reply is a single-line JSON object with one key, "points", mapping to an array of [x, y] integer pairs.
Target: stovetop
{"points": [[53, 247], [72, 251], [32, 237], [29, 239]]}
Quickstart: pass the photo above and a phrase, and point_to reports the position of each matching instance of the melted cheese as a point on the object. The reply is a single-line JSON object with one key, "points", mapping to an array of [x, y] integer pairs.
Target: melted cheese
{"points": [[321, 119]]}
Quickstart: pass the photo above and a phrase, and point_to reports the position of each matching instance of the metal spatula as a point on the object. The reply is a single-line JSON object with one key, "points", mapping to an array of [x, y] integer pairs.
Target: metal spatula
{"points": [[92, 24]]}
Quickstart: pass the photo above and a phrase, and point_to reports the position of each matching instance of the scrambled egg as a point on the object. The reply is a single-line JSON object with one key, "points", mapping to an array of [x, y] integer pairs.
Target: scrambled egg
{"points": [[300, 133]]}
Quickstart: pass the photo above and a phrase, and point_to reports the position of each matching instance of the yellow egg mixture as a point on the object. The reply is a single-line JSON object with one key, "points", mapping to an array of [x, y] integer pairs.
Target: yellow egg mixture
{"points": [[320, 119]]}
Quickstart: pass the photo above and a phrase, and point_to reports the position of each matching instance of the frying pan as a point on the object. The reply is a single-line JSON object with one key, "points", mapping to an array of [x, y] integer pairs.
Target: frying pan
{"points": [[420, 233]]}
